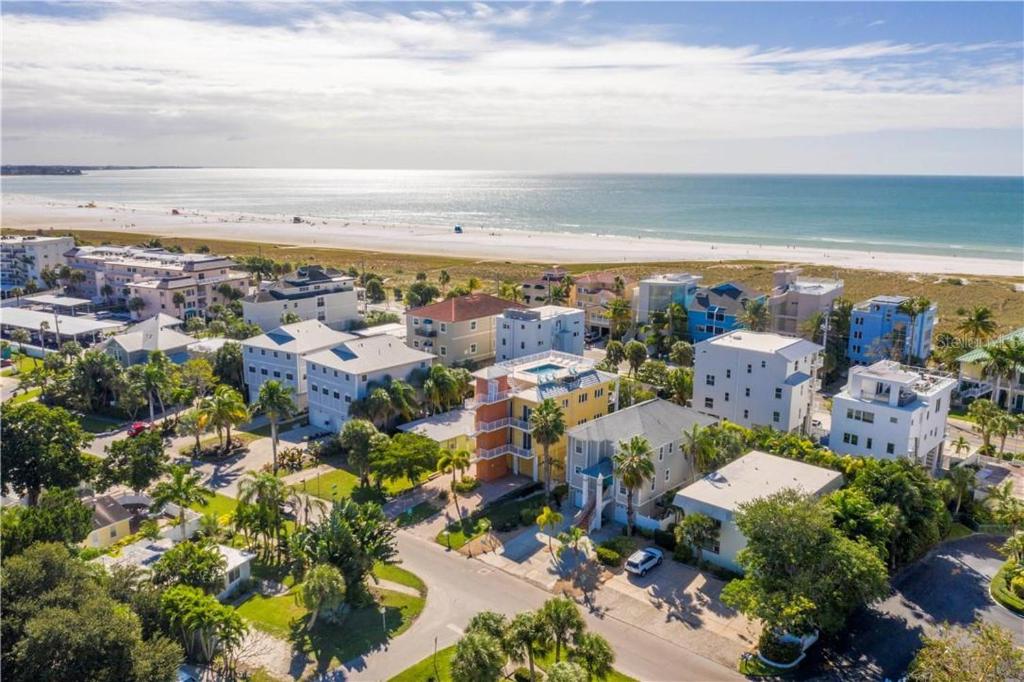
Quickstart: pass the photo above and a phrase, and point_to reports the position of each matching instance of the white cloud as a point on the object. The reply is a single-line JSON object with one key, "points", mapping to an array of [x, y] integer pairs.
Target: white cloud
{"points": [[444, 87]]}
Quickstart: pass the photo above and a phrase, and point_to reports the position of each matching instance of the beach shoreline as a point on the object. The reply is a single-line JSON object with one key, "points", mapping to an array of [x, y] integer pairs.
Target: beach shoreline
{"points": [[28, 212]]}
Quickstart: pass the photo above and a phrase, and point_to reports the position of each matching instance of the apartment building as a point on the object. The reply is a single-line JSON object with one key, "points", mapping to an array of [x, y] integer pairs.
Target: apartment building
{"points": [[281, 353], [795, 299], [655, 294], [757, 379], [312, 293], [527, 332], [593, 445], [880, 331], [888, 410], [348, 372], [716, 310], [975, 383], [594, 292], [505, 396], [178, 284], [537, 290], [23, 257], [458, 330]]}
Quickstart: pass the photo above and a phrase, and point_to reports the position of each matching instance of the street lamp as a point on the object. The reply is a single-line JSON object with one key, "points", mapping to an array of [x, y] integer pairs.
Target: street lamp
{"points": [[384, 619], [448, 539]]}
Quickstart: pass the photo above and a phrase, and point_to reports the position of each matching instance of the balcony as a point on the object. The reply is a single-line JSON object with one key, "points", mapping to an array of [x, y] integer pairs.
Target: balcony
{"points": [[488, 399], [502, 450], [424, 331], [498, 424]]}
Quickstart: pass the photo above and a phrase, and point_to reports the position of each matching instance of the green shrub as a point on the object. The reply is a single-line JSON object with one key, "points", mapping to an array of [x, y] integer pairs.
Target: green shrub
{"points": [[89, 553], [772, 648], [1017, 586], [559, 492], [665, 539], [443, 495], [521, 674], [683, 553], [528, 517], [609, 557], [622, 545], [467, 485]]}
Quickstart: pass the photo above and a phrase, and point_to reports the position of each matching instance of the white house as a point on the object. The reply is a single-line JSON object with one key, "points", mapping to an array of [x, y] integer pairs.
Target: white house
{"points": [[887, 410], [311, 292], [756, 379], [592, 445], [655, 294], [281, 353], [159, 332], [349, 371], [537, 330], [720, 494]]}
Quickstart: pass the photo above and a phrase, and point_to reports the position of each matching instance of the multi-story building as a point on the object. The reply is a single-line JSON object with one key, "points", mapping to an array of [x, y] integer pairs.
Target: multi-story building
{"points": [[594, 292], [23, 257], [537, 290], [458, 330], [716, 310], [281, 353], [311, 293], [592, 481], [888, 410], [757, 379], [527, 332], [179, 284], [1007, 393], [505, 396], [655, 294], [879, 330], [795, 299]]}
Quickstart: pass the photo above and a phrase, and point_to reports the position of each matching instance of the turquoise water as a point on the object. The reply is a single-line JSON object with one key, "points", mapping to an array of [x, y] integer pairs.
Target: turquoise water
{"points": [[540, 369], [969, 216]]}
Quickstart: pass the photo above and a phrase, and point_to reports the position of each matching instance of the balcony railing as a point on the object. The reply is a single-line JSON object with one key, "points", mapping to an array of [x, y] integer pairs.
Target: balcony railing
{"points": [[498, 424], [489, 398], [421, 331], [501, 450]]}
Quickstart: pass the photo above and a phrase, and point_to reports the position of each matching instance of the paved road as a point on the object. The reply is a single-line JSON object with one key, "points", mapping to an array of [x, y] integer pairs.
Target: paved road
{"points": [[460, 587], [949, 585]]}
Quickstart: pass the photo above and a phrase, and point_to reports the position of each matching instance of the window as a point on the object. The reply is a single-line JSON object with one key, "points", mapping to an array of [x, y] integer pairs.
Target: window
{"points": [[890, 448], [668, 473], [314, 388], [750, 368], [850, 438], [598, 393], [894, 420], [778, 394], [472, 348], [277, 375], [325, 391], [661, 454], [709, 380], [652, 485], [763, 364], [726, 396], [348, 398], [113, 532], [776, 417], [709, 402], [728, 374], [622, 489], [582, 398], [746, 414], [938, 405], [746, 392], [868, 444], [263, 372], [234, 574], [289, 376], [444, 327], [472, 325], [251, 368], [860, 416], [444, 351], [577, 469], [337, 396]]}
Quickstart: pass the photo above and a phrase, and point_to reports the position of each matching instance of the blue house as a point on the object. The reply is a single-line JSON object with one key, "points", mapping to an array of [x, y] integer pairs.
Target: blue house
{"points": [[715, 310], [878, 330]]}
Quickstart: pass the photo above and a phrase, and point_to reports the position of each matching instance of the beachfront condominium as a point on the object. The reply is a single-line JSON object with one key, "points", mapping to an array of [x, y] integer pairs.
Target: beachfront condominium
{"points": [[24, 257], [717, 310], [350, 371], [548, 327], [537, 291], [757, 379], [593, 485], [310, 293], [459, 330], [1006, 391], [280, 354], [180, 284], [888, 410], [655, 294], [593, 294], [880, 329], [507, 393], [794, 300]]}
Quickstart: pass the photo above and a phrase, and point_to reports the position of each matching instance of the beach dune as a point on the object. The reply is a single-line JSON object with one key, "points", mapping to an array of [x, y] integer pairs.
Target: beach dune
{"points": [[30, 212]]}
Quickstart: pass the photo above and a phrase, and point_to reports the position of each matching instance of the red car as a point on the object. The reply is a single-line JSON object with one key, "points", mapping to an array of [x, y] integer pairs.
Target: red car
{"points": [[137, 428]]}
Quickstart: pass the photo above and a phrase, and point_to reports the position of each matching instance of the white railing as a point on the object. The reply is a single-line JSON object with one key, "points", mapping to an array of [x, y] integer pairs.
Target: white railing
{"points": [[489, 398], [497, 424], [501, 450]]}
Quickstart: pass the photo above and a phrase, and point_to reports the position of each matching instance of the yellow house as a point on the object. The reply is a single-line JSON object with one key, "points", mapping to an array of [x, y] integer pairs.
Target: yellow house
{"points": [[110, 522], [507, 393], [454, 430], [974, 383]]}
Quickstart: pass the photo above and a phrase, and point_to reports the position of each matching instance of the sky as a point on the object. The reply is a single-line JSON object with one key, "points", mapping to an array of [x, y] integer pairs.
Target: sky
{"points": [[890, 88]]}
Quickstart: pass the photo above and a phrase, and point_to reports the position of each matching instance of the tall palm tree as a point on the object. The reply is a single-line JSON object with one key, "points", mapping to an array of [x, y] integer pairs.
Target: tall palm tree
{"points": [[378, 406], [813, 327], [675, 316], [183, 489], [44, 327], [444, 279], [961, 445], [1001, 363], [593, 653], [224, 409], [547, 426], [107, 292], [156, 379], [267, 494], [322, 589], [275, 401], [756, 315], [564, 620], [452, 462], [962, 480], [550, 519], [699, 445], [620, 316], [978, 323], [619, 285], [633, 465], [526, 635], [403, 399], [194, 423], [510, 290], [914, 307]]}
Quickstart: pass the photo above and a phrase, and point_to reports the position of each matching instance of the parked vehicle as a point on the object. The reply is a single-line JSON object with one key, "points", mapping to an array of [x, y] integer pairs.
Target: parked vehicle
{"points": [[138, 427], [458, 229], [644, 560]]}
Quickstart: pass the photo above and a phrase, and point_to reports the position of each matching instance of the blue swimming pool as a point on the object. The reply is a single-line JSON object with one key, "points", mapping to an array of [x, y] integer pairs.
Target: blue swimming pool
{"points": [[546, 367]]}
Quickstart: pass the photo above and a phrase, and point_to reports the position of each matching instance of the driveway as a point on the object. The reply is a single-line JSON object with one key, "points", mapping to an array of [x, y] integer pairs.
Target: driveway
{"points": [[949, 585]]}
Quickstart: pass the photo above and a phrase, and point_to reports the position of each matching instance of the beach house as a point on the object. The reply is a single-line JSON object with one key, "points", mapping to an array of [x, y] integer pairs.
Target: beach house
{"points": [[716, 310], [880, 330], [593, 485], [888, 410], [655, 294], [594, 292], [757, 379], [1006, 392], [452, 430], [537, 291], [505, 395], [160, 332], [536, 330], [458, 330], [720, 494], [311, 292], [794, 300]]}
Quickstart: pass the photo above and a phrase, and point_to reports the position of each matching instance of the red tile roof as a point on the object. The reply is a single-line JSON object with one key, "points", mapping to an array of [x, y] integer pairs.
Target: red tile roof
{"points": [[463, 308]]}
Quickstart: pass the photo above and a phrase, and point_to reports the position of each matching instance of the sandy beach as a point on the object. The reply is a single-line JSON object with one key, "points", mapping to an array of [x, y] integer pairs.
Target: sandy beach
{"points": [[31, 212]]}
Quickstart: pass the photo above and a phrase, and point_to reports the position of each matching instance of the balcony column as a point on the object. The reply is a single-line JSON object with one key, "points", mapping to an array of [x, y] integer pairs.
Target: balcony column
{"points": [[515, 465], [535, 466], [586, 491], [595, 521]]}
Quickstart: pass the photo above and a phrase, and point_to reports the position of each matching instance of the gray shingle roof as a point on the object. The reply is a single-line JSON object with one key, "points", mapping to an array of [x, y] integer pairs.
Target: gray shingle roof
{"points": [[371, 354], [659, 421]]}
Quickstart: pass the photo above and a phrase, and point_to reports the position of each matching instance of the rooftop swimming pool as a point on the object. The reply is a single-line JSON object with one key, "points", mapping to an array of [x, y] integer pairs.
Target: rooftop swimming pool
{"points": [[546, 367]]}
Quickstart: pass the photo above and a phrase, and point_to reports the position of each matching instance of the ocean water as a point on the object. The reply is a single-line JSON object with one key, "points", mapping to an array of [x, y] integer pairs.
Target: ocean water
{"points": [[969, 216]]}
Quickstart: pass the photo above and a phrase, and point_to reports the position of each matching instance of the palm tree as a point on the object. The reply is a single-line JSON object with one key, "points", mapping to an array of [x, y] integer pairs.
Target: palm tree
{"points": [[21, 337], [224, 409], [136, 304], [44, 327], [510, 291], [962, 480], [183, 489], [614, 354], [323, 589], [275, 401], [473, 283], [549, 518], [1004, 426], [756, 315], [194, 423], [619, 285], [564, 620], [547, 426], [403, 399], [107, 292], [593, 654], [979, 323], [620, 315], [378, 406], [267, 494], [961, 445], [633, 465], [813, 327], [636, 355], [914, 307], [675, 316], [155, 380], [1013, 548], [525, 636], [1000, 364], [1005, 506], [699, 444], [985, 414], [457, 461], [178, 299]]}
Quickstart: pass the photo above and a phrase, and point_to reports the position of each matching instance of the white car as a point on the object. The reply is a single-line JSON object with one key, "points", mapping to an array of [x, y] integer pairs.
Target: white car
{"points": [[642, 561]]}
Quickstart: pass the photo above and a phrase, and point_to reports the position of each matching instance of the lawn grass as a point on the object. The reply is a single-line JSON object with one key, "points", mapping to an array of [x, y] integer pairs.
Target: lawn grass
{"points": [[23, 364], [397, 574], [547, 660], [440, 670], [961, 413], [218, 504], [418, 513], [957, 531], [283, 427], [499, 515], [1002, 593], [340, 483], [96, 424], [28, 395]]}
